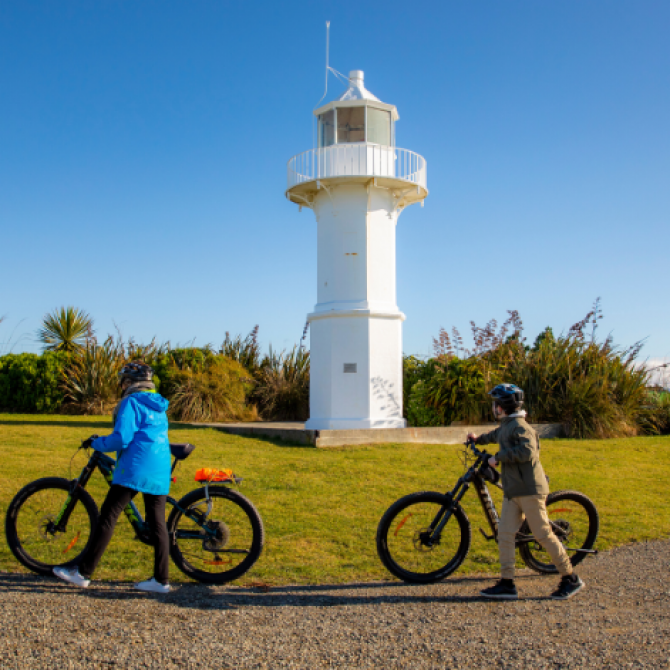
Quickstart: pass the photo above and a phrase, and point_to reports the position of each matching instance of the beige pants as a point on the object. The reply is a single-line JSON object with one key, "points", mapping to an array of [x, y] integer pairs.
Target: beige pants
{"points": [[511, 518]]}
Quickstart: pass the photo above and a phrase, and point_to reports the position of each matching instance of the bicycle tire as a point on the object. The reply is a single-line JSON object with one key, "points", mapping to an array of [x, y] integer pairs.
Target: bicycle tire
{"points": [[32, 543], [239, 533], [575, 522], [401, 550]]}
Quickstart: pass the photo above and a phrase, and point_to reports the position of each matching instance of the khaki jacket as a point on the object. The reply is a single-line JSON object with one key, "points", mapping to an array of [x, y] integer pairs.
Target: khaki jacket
{"points": [[519, 455]]}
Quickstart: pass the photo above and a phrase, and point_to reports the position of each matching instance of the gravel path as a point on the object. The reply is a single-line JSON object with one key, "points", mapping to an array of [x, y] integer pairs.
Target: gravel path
{"points": [[621, 619]]}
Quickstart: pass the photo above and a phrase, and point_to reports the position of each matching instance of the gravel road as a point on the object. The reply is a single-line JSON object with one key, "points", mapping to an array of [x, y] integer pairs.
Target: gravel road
{"points": [[621, 620]]}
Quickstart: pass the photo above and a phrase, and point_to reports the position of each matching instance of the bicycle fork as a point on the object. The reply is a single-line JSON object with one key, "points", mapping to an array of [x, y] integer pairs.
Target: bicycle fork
{"points": [[432, 537]]}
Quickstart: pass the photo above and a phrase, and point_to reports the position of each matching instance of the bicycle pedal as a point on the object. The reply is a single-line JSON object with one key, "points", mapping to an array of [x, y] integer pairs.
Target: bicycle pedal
{"points": [[488, 537]]}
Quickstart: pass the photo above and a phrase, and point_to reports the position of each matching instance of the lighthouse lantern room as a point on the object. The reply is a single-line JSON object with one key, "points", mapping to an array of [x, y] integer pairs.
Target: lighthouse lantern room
{"points": [[357, 182]]}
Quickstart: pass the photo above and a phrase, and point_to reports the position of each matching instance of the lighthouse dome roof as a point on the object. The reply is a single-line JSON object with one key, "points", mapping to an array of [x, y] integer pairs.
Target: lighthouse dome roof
{"points": [[356, 96], [357, 90]]}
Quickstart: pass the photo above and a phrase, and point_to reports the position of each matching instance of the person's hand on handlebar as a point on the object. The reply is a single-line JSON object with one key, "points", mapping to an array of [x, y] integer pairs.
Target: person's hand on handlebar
{"points": [[471, 438], [89, 441]]}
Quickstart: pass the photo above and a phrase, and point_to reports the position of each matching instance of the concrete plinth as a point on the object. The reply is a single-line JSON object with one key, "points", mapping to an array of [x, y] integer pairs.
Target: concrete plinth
{"points": [[296, 433]]}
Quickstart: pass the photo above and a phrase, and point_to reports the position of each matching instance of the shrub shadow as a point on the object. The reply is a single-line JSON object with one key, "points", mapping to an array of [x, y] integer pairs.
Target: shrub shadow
{"points": [[105, 424]]}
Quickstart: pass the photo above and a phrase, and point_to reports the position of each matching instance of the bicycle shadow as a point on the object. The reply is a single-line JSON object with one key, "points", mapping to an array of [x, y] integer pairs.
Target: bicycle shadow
{"points": [[193, 596]]}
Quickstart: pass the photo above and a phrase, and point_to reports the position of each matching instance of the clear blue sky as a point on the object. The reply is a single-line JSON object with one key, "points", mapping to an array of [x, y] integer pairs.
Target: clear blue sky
{"points": [[143, 150]]}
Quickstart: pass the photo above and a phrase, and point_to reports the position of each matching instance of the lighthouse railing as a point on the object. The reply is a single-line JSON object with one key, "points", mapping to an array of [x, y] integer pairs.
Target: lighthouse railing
{"points": [[357, 160]]}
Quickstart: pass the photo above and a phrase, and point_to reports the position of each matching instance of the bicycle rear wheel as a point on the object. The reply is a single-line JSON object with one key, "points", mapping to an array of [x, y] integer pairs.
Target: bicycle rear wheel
{"points": [[35, 534], [216, 539], [574, 520], [402, 538]]}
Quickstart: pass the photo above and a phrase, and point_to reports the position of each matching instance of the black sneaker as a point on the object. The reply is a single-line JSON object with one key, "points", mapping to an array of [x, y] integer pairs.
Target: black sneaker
{"points": [[503, 590], [569, 585]]}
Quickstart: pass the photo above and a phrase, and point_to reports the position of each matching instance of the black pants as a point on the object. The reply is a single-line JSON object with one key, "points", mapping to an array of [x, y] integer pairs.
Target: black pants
{"points": [[115, 502]]}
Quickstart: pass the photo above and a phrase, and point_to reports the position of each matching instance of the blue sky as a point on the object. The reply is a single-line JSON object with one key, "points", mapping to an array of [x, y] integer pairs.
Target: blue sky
{"points": [[143, 150]]}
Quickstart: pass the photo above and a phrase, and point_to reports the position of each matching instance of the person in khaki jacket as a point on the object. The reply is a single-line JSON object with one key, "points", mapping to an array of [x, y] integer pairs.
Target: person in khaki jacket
{"points": [[525, 491]]}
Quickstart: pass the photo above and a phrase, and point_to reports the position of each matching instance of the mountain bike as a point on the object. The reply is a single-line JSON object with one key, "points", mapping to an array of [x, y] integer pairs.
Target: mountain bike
{"points": [[215, 533], [425, 536]]}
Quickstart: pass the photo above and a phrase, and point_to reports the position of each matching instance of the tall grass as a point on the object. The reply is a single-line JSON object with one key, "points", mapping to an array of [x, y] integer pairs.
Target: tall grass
{"points": [[217, 393], [246, 351], [282, 386]]}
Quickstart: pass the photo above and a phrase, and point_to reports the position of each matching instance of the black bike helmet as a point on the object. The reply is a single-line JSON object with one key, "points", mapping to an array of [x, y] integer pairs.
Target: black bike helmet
{"points": [[136, 372], [508, 396]]}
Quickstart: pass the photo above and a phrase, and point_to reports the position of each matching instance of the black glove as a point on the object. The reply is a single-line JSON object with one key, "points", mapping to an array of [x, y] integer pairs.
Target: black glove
{"points": [[89, 441]]}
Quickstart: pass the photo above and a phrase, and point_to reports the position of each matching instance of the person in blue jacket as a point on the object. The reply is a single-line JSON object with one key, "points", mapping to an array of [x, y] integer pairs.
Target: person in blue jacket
{"points": [[140, 439]]}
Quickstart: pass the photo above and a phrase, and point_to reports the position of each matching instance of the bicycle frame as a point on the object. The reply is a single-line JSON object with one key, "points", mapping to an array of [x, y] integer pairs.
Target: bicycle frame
{"points": [[471, 478], [106, 464]]}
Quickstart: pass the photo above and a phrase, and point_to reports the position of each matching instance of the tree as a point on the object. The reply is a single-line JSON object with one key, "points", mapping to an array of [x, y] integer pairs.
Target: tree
{"points": [[67, 329]]}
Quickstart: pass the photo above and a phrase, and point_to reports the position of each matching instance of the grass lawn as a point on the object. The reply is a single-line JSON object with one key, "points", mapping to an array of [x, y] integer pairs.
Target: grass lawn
{"points": [[321, 507]]}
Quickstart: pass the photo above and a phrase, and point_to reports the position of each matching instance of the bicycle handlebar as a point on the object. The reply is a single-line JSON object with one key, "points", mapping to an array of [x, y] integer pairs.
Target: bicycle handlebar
{"points": [[471, 443]]}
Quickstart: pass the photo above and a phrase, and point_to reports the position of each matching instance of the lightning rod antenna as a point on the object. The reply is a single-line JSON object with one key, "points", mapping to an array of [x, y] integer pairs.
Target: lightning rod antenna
{"points": [[325, 92]]}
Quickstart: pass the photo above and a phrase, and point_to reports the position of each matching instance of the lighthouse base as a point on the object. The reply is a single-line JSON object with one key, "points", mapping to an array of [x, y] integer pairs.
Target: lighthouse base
{"points": [[354, 424], [356, 370]]}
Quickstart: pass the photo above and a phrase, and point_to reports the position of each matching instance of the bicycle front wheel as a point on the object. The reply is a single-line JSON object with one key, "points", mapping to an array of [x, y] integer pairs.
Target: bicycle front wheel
{"points": [[403, 538], [37, 533], [574, 520], [215, 539]]}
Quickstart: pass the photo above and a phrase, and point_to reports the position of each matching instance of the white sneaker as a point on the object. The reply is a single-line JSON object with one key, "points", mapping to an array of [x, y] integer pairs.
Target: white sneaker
{"points": [[72, 575], [152, 586]]}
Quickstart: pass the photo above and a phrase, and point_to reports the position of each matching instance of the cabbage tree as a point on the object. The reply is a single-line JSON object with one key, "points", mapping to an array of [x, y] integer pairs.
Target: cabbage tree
{"points": [[66, 329]]}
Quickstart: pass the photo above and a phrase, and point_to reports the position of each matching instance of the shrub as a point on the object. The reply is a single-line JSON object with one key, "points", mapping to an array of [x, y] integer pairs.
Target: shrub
{"points": [[452, 389], [414, 370], [216, 392], [418, 410], [594, 389], [167, 365], [31, 383], [655, 415]]}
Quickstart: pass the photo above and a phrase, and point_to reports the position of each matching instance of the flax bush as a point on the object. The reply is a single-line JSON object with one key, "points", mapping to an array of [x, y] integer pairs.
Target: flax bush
{"points": [[594, 389], [89, 382]]}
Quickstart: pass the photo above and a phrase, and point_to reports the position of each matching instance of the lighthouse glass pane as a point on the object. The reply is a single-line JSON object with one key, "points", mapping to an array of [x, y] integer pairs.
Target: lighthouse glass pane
{"points": [[350, 124], [379, 126], [327, 129]]}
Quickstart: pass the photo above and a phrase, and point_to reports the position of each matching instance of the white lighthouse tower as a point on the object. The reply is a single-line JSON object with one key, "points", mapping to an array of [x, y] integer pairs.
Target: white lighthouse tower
{"points": [[357, 182]]}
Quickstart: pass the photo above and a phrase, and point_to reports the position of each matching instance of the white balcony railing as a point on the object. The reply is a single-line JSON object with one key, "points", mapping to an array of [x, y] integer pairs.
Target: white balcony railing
{"points": [[357, 160]]}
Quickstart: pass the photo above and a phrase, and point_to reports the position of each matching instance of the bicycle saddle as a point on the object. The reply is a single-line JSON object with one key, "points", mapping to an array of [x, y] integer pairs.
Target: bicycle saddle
{"points": [[181, 451]]}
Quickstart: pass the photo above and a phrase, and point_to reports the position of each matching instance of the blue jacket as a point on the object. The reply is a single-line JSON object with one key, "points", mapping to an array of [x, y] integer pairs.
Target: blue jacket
{"points": [[141, 439]]}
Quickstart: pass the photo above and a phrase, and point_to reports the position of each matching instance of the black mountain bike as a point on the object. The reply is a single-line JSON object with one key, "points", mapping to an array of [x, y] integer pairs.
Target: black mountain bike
{"points": [[425, 536], [215, 533]]}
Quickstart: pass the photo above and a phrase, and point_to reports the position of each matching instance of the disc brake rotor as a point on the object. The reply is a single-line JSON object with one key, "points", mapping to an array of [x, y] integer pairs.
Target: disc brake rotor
{"points": [[220, 539], [566, 528], [45, 527], [419, 540]]}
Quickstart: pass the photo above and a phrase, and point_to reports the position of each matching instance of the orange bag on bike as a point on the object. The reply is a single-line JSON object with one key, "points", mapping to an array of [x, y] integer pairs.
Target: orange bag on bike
{"points": [[213, 475]]}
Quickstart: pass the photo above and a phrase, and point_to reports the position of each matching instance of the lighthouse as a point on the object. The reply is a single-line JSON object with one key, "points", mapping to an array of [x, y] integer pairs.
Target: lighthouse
{"points": [[357, 182]]}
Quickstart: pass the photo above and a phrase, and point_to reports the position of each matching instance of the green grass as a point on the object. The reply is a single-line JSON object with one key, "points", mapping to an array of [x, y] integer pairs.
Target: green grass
{"points": [[321, 507]]}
